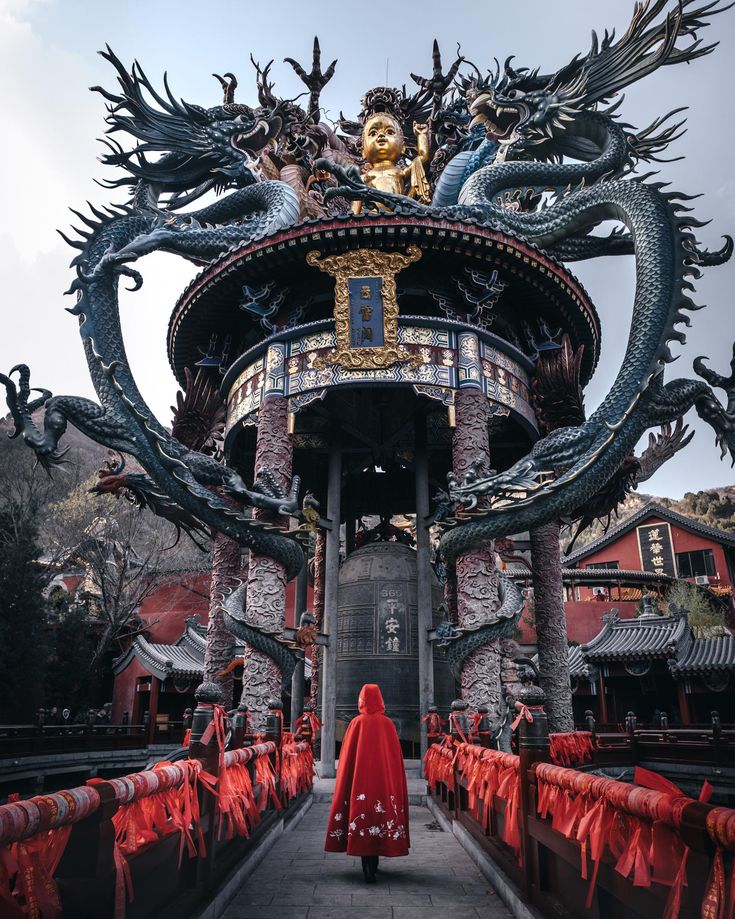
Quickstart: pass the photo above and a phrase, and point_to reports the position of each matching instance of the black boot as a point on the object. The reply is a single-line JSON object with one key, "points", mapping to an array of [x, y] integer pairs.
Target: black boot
{"points": [[368, 868]]}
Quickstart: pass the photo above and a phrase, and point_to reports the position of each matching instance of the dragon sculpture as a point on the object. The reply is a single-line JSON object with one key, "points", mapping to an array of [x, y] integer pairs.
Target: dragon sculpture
{"points": [[501, 143], [533, 123]]}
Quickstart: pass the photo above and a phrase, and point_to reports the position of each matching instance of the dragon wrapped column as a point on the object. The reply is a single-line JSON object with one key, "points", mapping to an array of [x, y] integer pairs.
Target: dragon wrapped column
{"points": [[477, 575], [266, 590]]}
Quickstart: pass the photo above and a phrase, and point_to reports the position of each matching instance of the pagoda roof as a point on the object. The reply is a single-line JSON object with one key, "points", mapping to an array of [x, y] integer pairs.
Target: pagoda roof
{"points": [[705, 655], [650, 509], [209, 303], [184, 658], [643, 638]]}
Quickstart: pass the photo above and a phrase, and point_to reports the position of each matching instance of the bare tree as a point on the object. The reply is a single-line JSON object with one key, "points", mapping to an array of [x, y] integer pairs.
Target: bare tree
{"points": [[123, 556]]}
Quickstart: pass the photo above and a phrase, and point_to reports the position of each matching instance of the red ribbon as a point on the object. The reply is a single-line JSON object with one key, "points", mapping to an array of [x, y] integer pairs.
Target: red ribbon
{"points": [[434, 722], [308, 718], [571, 748], [523, 712], [216, 728], [454, 726], [265, 775]]}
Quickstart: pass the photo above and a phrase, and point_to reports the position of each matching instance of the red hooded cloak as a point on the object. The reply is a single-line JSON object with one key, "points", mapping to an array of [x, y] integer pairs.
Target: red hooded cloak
{"points": [[369, 813]]}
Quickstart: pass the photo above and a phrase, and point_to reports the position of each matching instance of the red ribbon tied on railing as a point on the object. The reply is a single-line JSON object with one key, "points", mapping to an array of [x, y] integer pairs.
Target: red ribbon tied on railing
{"points": [[309, 718], [523, 712], [454, 726], [216, 728]]}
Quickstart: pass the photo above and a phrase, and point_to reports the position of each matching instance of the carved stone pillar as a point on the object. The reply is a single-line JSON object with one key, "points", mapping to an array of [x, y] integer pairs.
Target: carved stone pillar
{"points": [[266, 592], [320, 560], [477, 576], [220, 649]]}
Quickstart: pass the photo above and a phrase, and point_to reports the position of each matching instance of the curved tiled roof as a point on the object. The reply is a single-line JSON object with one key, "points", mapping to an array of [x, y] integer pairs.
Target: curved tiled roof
{"points": [[705, 655], [651, 509], [185, 658], [169, 660], [638, 639], [579, 669]]}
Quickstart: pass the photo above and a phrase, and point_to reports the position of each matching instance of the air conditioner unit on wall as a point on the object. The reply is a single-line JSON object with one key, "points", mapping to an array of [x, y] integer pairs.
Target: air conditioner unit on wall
{"points": [[701, 579]]}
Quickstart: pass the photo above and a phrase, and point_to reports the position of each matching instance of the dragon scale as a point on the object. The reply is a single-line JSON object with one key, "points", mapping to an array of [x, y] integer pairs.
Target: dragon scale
{"points": [[123, 421], [591, 453]]}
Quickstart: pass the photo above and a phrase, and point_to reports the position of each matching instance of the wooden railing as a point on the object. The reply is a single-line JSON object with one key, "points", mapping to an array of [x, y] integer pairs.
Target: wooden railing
{"points": [[710, 744], [51, 739], [152, 843], [577, 845]]}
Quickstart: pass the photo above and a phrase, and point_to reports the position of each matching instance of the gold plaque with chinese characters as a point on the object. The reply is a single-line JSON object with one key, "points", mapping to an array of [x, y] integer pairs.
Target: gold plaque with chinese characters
{"points": [[366, 307]]}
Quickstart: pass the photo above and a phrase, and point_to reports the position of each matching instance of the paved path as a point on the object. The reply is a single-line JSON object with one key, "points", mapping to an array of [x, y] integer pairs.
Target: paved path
{"points": [[299, 880]]}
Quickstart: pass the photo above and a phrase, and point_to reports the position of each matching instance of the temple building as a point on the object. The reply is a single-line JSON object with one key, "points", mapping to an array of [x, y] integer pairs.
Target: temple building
{"points": [[664, 544], [653, 665]]}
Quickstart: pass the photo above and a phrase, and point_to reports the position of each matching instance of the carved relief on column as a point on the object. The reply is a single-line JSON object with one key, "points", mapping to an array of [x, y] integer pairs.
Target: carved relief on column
{"points": [[220, 649], [477, 578], [318, 610], [477, 586], [261, 679], [477, 575], [480, 681], [450, 596], [266, 593]]}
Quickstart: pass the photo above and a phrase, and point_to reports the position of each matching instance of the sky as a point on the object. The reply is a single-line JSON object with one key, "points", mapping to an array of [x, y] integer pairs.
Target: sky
{"points": [[50, 123]]}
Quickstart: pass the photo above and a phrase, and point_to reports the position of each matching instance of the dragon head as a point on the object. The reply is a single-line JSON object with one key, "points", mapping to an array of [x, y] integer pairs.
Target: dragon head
{"points": [[525, 109], [215, 147]]}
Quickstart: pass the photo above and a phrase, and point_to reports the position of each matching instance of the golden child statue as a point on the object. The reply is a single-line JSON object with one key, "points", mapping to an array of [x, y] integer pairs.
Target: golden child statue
{"points": [[383, 147]]}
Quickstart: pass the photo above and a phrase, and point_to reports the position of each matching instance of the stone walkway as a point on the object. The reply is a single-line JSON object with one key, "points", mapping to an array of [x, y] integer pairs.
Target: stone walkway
{"points": [[299, 880]]}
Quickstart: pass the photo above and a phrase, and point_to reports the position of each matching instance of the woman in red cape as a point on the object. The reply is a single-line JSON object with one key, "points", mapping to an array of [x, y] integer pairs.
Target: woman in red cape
{"points": [[369, 815]]}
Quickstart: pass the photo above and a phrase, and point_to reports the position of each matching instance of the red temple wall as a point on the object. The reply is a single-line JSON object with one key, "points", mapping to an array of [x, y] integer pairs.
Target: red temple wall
{"points": [[177, 598], [165, 612], [625, 552], [123, 696], [584, 619]]}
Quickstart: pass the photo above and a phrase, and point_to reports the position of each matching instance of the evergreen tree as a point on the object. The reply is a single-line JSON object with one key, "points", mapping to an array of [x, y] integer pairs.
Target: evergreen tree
{"points": [[22, 617], [67, 683]]}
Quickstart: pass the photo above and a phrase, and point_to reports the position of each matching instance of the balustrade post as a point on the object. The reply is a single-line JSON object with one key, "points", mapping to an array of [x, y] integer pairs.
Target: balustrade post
{"points": [[589, 720], [305, 730], [716, 734], [433, 725], [459, 723], [274, 732], [631, 722], [240, 727], [533, 747], [203, 747], [484, 726], [86, 872], [459, 728]]}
